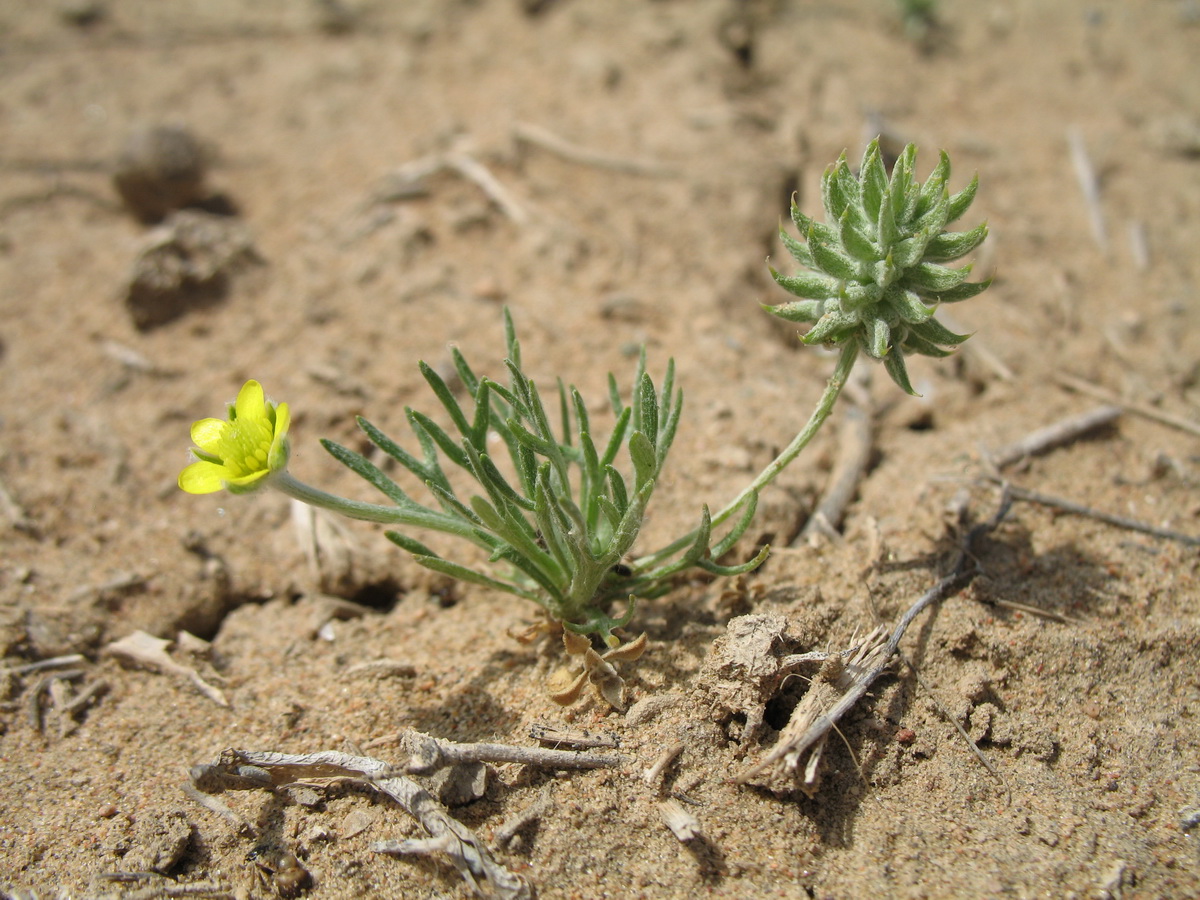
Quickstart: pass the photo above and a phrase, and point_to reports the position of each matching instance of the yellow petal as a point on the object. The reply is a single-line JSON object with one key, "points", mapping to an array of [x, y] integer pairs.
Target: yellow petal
{"points": [[207, 434], [283, 420], [251, 405], [201, 478], [244, 484]]}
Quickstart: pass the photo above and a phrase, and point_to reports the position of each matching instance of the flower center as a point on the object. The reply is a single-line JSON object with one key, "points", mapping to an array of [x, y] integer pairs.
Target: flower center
{"points": [[246, 446]]}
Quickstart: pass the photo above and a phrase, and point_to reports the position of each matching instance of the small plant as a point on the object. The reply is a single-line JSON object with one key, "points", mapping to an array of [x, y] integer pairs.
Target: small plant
{"points": [[560, 525], [919, 18]]}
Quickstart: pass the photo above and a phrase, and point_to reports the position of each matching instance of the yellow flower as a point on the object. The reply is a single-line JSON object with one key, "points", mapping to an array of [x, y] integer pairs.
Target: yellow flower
{"points": [[239, 453]]}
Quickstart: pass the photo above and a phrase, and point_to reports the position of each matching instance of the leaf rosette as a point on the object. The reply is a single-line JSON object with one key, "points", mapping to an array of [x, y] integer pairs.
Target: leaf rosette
{"points": [[877, 270]]}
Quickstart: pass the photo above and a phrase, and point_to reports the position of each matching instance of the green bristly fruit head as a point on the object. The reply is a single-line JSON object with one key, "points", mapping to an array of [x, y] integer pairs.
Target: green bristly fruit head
{"points": [[876, 266]]}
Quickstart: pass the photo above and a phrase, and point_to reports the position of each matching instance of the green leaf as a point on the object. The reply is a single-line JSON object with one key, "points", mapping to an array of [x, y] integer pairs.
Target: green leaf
{"points": [[856, 297], [962, 200], [799, 251], [811, 229], [645, 419], [910, 251], [833, 262], [833, 326], [415, 547], [878, 334], [699, 548], [808, 285], [873, 181], [934, 331], [364, 468], [493, 478], [929, 278], [856, 243], [426, 471], [462, 573], [963, 291], [513, 348], [886, 227], [954, 244], [902, 192], [641, 451], [465, 375], [934, 185], [715, 569], [667, 429], [839, 189], [616, 486], [446, 397], [799, 310], [749, 507], [913, 343], [422, 424], [894, 363], [908, 306]]}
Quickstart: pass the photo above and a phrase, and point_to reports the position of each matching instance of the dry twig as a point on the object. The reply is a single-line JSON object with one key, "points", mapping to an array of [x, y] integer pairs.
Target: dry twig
{"points": [[530, 814], [547, 140], [1071, 383], [405, 181], [241, 769], [668, 756], [1056, 435], [1078, 509], [430, 754], [1089, 185], [854, 453]]}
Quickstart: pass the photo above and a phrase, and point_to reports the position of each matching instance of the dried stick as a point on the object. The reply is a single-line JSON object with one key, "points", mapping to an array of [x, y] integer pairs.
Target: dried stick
{"points": [[681, 823], [532, 813], [52, 662], [1089, 185], [404, 182], [1078, 509], [854, 453], [961, 574], [1059, 434], [240, 769], [665, 758], [547, 140], [544, 733], [430, 754], [1071, 383]]}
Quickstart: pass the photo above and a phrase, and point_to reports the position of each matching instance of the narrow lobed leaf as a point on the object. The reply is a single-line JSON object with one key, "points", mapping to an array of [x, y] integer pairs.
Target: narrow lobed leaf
{"points": [[952, 245]]}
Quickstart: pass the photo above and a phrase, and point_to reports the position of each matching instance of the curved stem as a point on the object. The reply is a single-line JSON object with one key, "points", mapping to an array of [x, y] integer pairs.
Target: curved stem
{"points": [[841, 374], [837, 381], [286, 483]]}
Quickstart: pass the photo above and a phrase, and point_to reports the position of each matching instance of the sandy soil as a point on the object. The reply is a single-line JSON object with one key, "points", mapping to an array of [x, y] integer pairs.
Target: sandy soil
{"points": [[1084, 702]]}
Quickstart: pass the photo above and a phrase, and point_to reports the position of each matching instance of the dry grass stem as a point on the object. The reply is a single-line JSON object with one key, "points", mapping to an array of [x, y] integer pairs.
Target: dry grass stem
{"points": [[1078, 509], [530, 814], [582, 738], [681, 823], [1056, 435], [406, 181], [668, 756], [1089, 186], [854, 454], [552, 143], [1071, 383]]}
